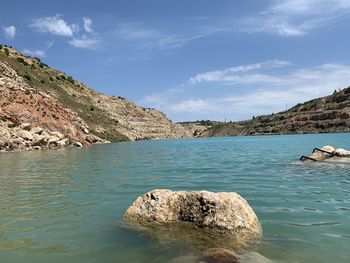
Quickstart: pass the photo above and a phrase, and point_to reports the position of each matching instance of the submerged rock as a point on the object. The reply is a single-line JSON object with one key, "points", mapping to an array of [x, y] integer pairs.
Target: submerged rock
{"points": [[327, 153], [202, 218], [219, 255]]}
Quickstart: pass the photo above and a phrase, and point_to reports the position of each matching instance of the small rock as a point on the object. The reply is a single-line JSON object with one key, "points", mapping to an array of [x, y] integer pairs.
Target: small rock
{"points": [[254, 257], [86, 130], [53, 140], [26, 126], [57, 134], [37, 148], [78, 144], [26, 135], [63, 142], [37, 130]]}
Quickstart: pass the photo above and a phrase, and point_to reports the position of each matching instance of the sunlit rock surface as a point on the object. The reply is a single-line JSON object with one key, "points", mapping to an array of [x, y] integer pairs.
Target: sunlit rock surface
{"points": [[201, 218]]}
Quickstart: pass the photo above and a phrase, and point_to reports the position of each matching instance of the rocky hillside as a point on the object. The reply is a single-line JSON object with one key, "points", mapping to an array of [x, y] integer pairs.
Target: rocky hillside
{"points": [[322, 115], [44, 108]]}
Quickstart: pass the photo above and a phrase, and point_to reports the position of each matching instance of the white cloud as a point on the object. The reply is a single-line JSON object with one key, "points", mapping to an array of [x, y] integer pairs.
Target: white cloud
{"points": [[49, 44], [59, 27], [55, 25], [249, 95], [145, 41], [193, 105], [230, 74], [9, 32], [34, 53], [85, 42], [172, 41], [295, 17], [87, 24]]}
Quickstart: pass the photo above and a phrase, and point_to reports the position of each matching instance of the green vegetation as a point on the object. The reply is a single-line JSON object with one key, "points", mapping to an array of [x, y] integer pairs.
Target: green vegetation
{"points": [[70, 79], [27, 77], [21, 60], [205, 122]]}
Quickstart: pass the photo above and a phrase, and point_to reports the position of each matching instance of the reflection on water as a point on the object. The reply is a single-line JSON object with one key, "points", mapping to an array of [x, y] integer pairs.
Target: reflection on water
{"points": [[66, 204]]}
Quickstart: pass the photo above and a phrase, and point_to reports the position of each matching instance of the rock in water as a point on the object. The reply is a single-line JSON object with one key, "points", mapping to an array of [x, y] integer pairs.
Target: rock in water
{"points": [[219, 255], [201, 218], [328, 153]]}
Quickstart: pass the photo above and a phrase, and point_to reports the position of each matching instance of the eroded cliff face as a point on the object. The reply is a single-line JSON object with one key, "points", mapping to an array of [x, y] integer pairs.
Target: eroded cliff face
{"points": [[323, 115], [30, 119], [44, 108]]}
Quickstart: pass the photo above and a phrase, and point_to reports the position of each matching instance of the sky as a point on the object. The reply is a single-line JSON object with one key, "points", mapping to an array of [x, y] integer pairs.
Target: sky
{"points": [[193, 60]]}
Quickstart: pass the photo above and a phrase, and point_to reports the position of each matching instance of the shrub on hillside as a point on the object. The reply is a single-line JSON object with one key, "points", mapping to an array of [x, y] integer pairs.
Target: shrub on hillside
{"points": [[27, 77], [70, 79], [21, 60]]}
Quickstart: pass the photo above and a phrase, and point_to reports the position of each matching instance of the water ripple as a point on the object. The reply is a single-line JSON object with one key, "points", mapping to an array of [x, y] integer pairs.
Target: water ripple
{"points": [[55, 204]]}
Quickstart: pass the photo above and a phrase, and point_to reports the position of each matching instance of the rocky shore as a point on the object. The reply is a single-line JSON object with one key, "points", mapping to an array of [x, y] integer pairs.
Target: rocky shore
{"points": [[42, 108], [322, 115]]}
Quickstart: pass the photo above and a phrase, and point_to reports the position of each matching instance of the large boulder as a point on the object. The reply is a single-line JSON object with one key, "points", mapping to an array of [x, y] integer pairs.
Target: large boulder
{"points": [[203, 218]]}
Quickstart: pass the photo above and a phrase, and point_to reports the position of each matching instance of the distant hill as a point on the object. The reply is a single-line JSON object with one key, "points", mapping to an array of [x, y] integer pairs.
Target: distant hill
{"points": [[322, 115], [41, 107]]}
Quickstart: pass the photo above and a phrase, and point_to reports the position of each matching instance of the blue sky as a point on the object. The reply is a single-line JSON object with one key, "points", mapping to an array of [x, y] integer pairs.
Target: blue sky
{"points": [[195, 59]]}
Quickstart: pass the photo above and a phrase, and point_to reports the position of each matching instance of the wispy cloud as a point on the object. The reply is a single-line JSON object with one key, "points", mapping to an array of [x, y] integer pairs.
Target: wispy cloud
{"points": [[34, 53], [167, 42], [134, 31], [85, 42], [295, 17], [55, 25], [149, 40], [260, 88], [87, 24], [9, 32], [230, 75]]}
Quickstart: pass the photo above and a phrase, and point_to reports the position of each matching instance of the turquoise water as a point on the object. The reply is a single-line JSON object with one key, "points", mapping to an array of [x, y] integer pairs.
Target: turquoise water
{"points": [[67, 205]]}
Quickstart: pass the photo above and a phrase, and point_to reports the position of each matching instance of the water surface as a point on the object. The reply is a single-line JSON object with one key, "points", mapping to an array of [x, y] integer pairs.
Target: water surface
{"points": [[68, 204]]}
